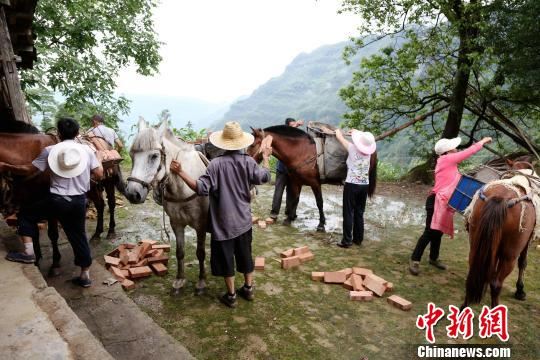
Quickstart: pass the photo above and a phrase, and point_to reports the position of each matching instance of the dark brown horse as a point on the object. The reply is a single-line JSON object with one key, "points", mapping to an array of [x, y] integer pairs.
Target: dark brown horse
{"points": [[297, 150], [17, 190], [500, 228]]}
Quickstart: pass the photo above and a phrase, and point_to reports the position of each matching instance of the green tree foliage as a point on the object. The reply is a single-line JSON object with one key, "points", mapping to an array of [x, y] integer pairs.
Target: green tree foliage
{"points": [[444, 52], [82, 45]]}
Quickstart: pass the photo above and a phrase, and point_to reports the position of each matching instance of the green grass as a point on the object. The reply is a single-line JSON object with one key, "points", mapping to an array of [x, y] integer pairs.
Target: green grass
{"points": [[294, 317]]}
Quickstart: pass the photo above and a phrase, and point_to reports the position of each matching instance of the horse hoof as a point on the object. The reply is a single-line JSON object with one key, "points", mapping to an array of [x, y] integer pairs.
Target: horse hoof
{"points": [[111, 236], [520, 295], [95, 237], [54, 271], [321, 228], [200, 291], [179, 283], [177, 292]]}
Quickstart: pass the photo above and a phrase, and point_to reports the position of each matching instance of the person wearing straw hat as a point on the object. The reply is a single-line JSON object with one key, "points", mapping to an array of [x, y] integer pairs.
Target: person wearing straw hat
{"points": [[227, 182], [355, 191], [71, 167], [439, 216]]}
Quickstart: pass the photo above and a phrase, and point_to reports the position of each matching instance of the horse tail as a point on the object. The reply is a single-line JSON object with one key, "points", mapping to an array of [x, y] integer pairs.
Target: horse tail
{"points": [[372, 174], [485, 241]]}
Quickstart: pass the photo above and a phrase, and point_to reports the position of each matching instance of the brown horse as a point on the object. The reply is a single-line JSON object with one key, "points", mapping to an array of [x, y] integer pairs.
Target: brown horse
{"points": [[18, 190], [297, 150], [500, 228]]}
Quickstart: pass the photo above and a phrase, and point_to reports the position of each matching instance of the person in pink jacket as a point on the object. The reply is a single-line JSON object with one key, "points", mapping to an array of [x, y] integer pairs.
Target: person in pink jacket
{"points": [[440, 217]]}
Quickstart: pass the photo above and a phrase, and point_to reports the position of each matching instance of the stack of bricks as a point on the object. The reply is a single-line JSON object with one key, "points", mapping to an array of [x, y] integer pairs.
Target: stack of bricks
{"points": [[129, 261], [362, 284], [262, 223], [294, 257]]}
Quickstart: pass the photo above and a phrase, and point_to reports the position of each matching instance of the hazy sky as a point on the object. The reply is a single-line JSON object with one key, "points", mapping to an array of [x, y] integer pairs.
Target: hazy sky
{"points": [[218, 50]]}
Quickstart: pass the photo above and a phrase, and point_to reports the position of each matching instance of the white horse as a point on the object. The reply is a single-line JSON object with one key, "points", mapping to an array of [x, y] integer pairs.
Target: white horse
{"points": [[151, 153]]}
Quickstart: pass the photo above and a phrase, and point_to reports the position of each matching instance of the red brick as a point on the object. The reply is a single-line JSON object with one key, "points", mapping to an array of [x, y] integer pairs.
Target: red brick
{"points": [[357, 283], [287, 263], [361, 295], [163, 247], [115, 252], [128, 284], [287, 253], [306, 257], [129, 246], [162, 259], [335, 277], [259, 263], [347, 271], [109, 260], [379, 279], [125, 273], [159, 268], [399, 302], [269, 221], [363, 272], [372, 283], [117, 273], [145, 247], [317, 276], [143, 262], [262, 224], [300, 250], [132, 258], [141, 271], [348, 284], [389, 287]]}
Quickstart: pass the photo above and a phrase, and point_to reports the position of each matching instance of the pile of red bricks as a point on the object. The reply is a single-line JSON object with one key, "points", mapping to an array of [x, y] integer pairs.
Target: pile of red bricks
{"points": [[129, 261], [362, 284], [294, 257]]}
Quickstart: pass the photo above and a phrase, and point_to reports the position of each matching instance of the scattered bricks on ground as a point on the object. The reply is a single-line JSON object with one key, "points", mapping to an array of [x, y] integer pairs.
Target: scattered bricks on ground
{"points": [[399, 302], [259, 263]]}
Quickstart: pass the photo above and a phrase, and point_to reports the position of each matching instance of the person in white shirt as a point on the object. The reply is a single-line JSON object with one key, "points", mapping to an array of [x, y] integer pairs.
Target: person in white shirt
{"points": [[99, 129], [71, 166]]}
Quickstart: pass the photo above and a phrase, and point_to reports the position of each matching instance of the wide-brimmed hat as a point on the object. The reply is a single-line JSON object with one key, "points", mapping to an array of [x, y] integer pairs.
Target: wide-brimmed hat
{"points": [[445, 145], [364, 141], [231, 137], [67, 159]]}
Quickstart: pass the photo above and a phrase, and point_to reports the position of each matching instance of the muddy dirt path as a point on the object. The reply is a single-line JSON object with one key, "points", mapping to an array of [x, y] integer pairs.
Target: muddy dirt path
{"points": [[294, 317]]}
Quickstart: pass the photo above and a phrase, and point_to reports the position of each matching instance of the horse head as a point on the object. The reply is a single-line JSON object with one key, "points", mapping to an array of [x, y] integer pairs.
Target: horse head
{"points": [[253, 150], [148, 161]]}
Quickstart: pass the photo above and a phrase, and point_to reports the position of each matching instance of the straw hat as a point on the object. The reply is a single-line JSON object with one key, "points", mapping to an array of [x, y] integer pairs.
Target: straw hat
{"points": [[364, 142], [231, 137], [67, 159], [445, 145]]}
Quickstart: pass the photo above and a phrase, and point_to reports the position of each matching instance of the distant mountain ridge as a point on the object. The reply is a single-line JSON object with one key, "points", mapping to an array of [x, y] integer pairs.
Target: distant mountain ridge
{"points": [[308, 89]]}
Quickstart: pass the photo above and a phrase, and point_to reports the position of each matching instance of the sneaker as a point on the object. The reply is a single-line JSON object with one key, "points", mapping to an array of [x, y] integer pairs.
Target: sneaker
{"points": [[438, 264], [228, 300], [246, 293], [414, 267], [20, 257], [343, 245], [85, 283]]}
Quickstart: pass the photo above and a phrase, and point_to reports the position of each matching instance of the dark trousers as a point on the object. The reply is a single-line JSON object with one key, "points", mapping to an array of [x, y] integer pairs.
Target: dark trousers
{"points": [[354, 204], [282, 183], [70, 212], [429, 236]]}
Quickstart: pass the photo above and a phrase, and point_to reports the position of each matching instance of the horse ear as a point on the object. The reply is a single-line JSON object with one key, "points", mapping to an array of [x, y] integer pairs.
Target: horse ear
{"points": [[253, 130], [163, 127], [142, 124]]}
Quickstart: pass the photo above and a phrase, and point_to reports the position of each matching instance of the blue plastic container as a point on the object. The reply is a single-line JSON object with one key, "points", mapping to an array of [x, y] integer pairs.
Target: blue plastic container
{"points": [[464, 192]]}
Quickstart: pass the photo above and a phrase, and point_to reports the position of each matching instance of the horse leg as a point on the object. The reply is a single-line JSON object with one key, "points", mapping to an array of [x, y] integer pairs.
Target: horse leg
{"points": [[180, 280], [96, 197], [503, 270], [201, 254], [319, 199], [52, 232], [295, 189], [111, 202], [522, 264]]}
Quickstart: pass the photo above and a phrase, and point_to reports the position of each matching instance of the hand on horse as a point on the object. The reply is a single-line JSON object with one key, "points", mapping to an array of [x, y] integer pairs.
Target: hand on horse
{"points": [[486, 140], [176, 167]]}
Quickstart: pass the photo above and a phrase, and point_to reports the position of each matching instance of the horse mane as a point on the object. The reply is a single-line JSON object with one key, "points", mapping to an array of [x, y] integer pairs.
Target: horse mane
{"points": [[145, 140], [290, 132], [16, 126]]}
